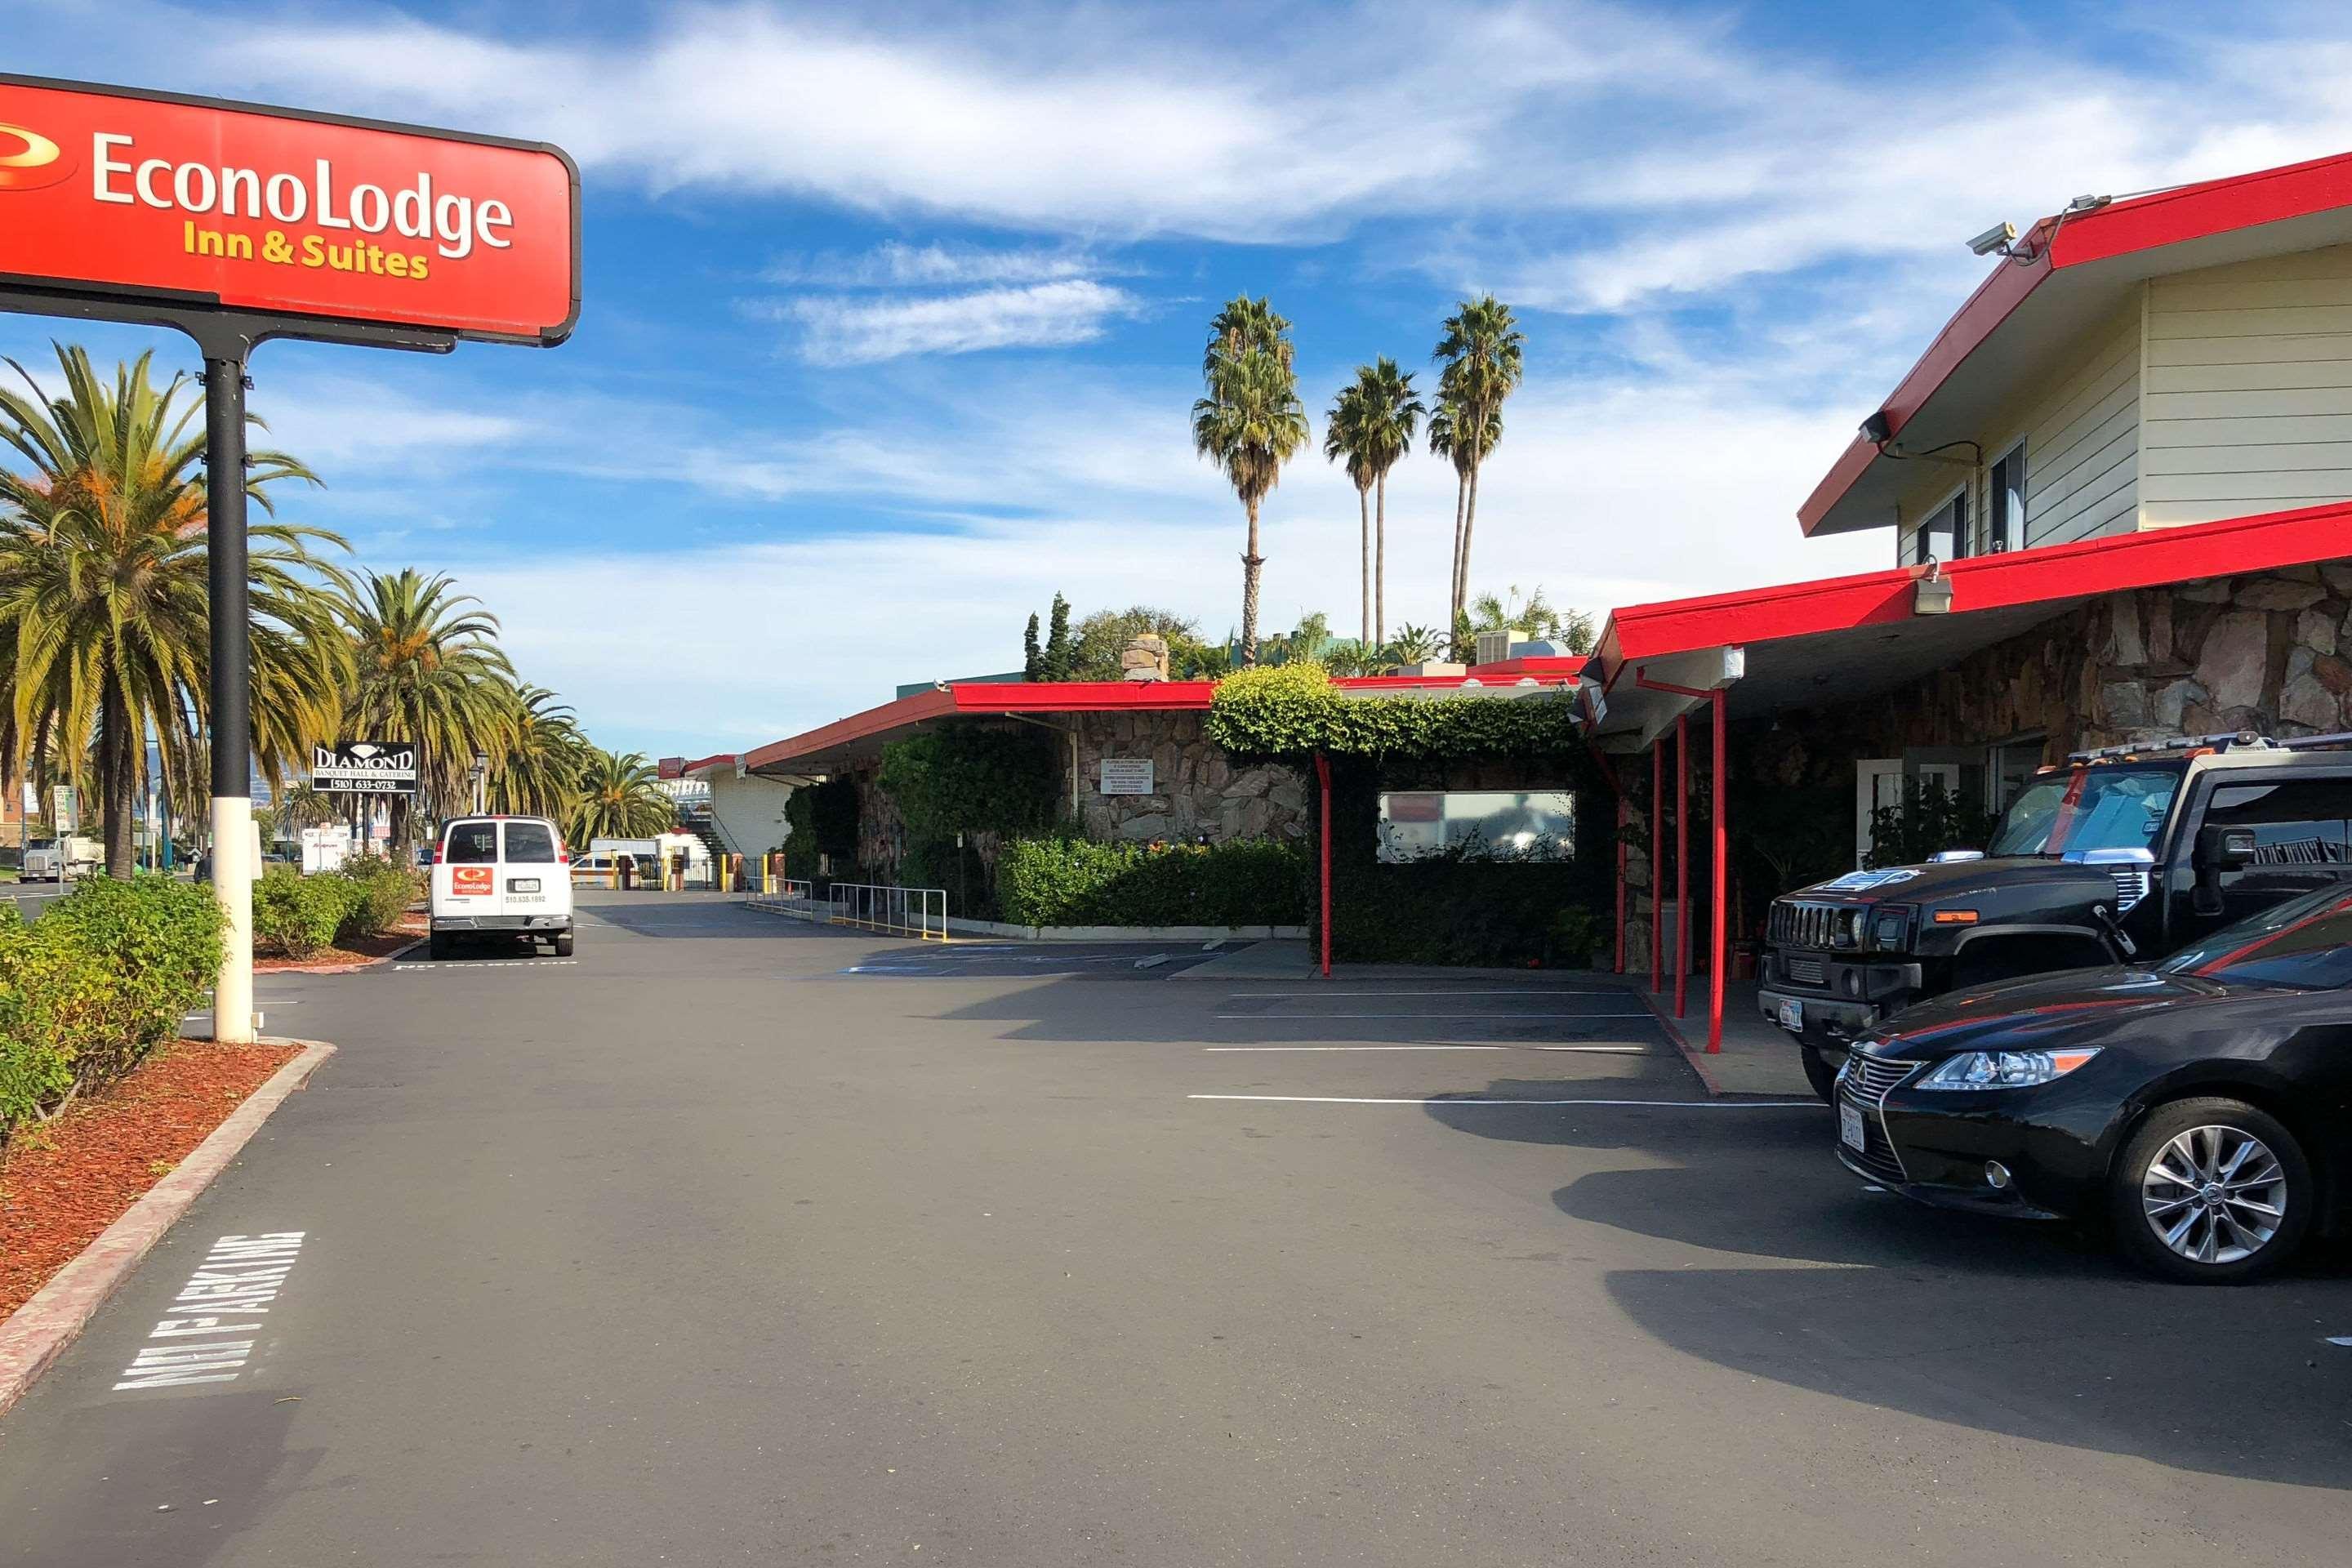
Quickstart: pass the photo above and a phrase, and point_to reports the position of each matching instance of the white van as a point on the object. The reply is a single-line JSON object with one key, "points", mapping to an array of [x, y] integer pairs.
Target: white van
{"points": [[501, 876]]}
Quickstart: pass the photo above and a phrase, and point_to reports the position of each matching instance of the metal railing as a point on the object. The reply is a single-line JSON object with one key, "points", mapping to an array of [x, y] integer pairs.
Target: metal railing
{"points": [[919, 912]]}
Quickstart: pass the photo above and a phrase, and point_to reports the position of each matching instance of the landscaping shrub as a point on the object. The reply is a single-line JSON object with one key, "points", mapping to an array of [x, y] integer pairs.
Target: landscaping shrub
{"points": [[104, 978], [383, 890], [1070, 881], [294, 916]]}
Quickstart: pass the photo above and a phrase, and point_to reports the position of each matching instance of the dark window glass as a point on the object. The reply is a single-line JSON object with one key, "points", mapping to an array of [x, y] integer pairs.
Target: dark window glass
{"points": [[1944, 534], [530, 843], [2297, 824], [472, 843], [2005, 525], [2305, 941]]}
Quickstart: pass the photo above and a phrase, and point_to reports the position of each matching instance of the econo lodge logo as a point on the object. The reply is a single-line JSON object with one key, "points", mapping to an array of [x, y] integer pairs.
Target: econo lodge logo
{"points": [[29, 160]]}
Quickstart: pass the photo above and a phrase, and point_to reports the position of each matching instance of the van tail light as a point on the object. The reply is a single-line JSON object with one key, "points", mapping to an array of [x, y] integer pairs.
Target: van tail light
{"points": [[437, 854]]}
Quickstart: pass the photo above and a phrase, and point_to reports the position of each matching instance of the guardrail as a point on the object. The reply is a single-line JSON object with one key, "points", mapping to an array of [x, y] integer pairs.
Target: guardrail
{"points": [[919, 912]]}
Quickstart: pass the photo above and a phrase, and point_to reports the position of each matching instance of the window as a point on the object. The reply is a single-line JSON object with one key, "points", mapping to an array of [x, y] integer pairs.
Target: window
{"points": [[530, 843], [2005, 503], [2299, 824], [1476, 824], [472, 843], [1943, 533], [2305, 943], [2105, 808]]}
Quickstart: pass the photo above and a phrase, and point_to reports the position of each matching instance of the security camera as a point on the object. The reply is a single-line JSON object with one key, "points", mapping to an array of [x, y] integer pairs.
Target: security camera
{"points": [[1997, 237]]}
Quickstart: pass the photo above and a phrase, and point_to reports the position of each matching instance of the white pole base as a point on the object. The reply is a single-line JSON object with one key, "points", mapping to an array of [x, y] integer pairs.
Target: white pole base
{"points": [[234, 868]]}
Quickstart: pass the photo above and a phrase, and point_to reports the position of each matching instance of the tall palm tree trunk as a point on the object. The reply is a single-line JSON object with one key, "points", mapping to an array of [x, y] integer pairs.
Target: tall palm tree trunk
{"points": [[117, 782], [1364, 521], [1454, 580], [1381, 568], [1250, 563], [1469, 525]]}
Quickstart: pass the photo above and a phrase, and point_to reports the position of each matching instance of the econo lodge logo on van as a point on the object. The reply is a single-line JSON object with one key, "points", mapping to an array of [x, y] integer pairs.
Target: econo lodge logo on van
{"points": [[28, 160]]}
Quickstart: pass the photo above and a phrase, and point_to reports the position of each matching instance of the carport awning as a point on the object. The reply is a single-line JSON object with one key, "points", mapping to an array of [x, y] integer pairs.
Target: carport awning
{"points": [[1838, 639]]}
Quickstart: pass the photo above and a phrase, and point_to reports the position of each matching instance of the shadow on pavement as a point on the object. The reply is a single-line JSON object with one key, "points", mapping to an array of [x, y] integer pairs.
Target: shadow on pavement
{"points": [[2025, 1330]]}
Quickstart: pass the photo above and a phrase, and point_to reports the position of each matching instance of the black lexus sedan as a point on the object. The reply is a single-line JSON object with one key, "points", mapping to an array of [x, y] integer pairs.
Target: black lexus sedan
{"points": [[2200, 1107]]}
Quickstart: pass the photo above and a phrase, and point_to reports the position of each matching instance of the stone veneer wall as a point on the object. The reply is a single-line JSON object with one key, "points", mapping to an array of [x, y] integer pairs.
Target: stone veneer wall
{"points": [[1198, 790], [2228, 653]]}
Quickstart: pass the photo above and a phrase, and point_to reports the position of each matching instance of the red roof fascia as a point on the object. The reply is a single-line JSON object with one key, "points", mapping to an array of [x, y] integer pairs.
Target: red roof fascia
{"points": [[720, 759], [2056, 572], [1083, 697], [912, 709], [2213, 207], [2119, 229]]}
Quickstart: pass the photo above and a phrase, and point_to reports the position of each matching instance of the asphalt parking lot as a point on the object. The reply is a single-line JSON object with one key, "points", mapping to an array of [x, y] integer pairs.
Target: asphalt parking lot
{"points": [[741, 1240]]}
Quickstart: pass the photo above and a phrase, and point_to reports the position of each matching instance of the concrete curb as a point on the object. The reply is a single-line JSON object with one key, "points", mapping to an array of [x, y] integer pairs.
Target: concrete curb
{"points": [[1695, 1054], [39, 1332], [395, 954]]}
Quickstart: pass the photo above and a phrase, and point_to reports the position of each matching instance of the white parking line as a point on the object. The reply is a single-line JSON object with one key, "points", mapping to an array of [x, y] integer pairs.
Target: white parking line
{"points": [[1587, 1050], [487, 963], [1473, 1100], [1488, 1017]]}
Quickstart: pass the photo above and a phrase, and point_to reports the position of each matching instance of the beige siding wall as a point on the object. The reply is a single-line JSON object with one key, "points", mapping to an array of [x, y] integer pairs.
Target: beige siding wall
{"points": [[2082, 449], [2249, 379]]}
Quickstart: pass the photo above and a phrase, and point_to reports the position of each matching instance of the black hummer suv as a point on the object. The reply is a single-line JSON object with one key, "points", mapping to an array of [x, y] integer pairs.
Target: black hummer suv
{"points": [[2129, 850]]}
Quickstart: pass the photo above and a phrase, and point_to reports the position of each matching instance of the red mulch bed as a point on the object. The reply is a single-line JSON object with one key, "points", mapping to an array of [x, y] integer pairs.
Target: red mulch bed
{"points": [[63, 1181], [361, 950]]}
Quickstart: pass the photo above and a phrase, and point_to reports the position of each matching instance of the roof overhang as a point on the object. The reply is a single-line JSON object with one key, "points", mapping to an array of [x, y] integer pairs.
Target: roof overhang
{"points": [[847, 741], [2072, 272], [1842, 639]]}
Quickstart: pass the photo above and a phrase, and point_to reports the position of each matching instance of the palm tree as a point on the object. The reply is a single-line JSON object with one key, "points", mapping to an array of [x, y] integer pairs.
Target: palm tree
{"points": [[1417, 645], [299, 806], [1250, 424], [1450, 436], [430, 672], [1534, 615], [1482, 353], [104, 599], [1344, 437], [1373, 425], [539, 775], [619, 798]]}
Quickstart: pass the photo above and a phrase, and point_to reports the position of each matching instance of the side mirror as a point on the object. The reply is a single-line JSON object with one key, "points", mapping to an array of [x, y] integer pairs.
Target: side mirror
{"points": [[2225, 848]]}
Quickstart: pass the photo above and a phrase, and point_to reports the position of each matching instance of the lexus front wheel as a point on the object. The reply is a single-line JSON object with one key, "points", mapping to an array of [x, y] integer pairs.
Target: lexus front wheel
{"points": [[2211, 1191]]}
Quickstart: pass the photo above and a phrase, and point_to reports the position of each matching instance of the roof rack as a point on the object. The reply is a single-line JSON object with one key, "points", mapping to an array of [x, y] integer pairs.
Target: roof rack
{"points": [[2236, 740]]}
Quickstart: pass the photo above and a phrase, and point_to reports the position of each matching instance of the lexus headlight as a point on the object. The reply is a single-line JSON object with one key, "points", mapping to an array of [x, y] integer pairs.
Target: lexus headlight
{"points": [[2005, 1069]]}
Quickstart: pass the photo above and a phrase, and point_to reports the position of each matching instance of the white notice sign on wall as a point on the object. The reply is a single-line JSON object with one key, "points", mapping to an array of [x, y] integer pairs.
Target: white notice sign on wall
{"points": [[1126, 775]]}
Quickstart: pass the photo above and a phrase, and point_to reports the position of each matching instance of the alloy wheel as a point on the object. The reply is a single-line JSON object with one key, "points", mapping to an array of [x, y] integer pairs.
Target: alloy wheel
{"points": [[2215, 1194]]}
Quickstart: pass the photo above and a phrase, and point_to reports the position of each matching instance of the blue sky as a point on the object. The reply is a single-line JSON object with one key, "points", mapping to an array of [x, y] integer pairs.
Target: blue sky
{"points": [[893, 313]]}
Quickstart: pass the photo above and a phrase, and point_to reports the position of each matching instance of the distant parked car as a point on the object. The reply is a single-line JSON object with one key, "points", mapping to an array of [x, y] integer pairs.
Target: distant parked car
{"points": [[2200, 1107], [505, 877]]}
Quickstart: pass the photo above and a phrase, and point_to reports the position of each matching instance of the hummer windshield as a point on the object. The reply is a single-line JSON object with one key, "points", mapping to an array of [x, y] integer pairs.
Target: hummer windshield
{"points": [[2110, 806]]}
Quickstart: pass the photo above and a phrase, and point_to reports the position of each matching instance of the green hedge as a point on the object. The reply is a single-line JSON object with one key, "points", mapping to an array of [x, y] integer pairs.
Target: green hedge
{"points": [[1069, 881], [383, 892], [103, 977], [294, 916], [1291, 712]]}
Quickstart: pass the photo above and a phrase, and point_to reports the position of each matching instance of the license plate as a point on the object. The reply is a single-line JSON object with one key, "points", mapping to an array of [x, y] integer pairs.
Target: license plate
{"points": [[522, 884], [1793, 1015], [1850, 1127]]}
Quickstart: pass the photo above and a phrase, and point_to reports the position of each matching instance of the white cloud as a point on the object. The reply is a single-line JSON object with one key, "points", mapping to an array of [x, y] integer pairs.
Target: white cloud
{"points": [[862, 330], [896, 263]]}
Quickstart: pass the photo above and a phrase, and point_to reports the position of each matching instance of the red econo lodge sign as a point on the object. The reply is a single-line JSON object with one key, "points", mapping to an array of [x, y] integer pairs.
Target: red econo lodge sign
{"points": [[184, 201]]}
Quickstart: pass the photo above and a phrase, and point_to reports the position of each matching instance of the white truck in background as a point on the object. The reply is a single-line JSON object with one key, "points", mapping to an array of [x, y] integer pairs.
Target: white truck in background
{"points": [[61, 859]]}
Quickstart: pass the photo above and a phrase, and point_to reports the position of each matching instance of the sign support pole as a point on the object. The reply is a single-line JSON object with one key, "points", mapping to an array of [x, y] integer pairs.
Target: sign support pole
{"points": [[232, 691]]}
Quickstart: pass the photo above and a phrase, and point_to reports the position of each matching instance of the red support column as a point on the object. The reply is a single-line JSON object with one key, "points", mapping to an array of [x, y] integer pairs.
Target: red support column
{"points": [[1682, 860], [1657, 865], [1721, 910], [1323, 796]]}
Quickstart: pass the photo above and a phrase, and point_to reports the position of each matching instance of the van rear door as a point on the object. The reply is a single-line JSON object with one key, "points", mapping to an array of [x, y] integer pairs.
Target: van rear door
{"points": [[531, 880], [465, 884]]}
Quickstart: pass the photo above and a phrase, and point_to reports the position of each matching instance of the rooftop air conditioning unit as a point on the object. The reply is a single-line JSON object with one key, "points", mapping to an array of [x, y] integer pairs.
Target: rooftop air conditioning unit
{"points": [[1493, 648]]}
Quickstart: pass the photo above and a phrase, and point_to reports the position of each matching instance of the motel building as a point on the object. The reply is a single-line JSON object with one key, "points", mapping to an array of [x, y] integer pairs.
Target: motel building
{"points": [[2116, 492]]}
